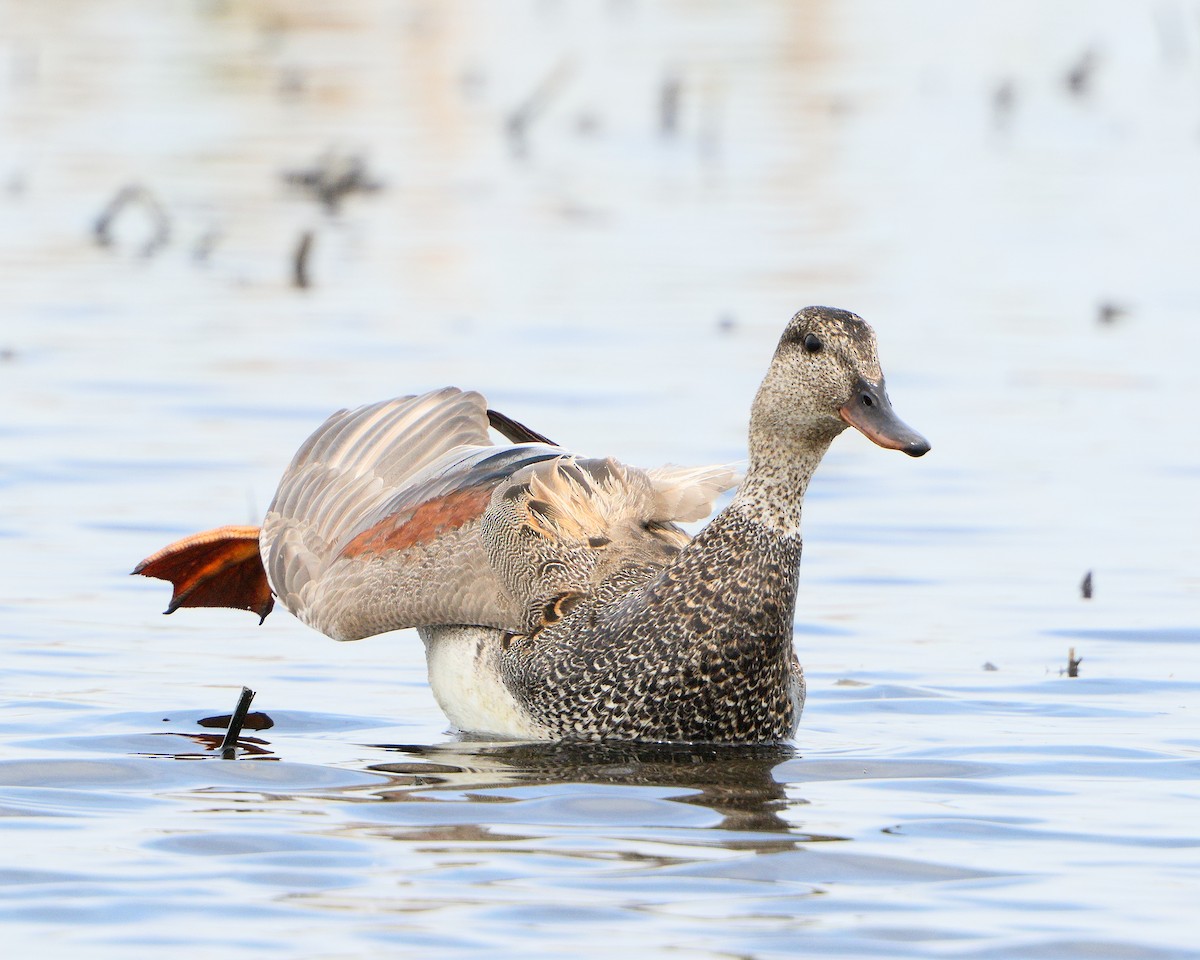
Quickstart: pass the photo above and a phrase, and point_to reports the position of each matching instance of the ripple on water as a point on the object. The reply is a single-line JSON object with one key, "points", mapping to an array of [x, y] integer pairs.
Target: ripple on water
{"points": [[1185, 634], [823, 770], [1052, 699], [813, 867], [153, 776], [993, 831]]}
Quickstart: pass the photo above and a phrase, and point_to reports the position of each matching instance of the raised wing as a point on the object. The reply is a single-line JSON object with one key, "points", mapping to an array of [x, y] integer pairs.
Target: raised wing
{"points": [[374, 525], [404, 514]]}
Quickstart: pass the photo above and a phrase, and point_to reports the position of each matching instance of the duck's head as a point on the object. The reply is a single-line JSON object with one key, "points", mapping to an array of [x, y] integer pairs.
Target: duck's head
{"points": [[825, 376]]}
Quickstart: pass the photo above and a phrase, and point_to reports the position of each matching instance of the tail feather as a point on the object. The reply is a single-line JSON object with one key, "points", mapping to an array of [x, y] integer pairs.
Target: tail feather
{"points": [[684, 494]]}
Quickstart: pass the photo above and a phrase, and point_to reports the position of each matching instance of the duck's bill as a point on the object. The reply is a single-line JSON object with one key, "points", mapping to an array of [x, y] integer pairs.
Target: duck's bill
{"points": [[870, 413]]}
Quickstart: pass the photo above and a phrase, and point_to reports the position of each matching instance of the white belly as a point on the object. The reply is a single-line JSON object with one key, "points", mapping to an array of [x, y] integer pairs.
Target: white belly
{"points": [[464, 674]]}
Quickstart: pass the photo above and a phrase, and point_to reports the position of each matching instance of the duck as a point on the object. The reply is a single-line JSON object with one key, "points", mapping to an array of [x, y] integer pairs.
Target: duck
{"points": [[558, 596]]}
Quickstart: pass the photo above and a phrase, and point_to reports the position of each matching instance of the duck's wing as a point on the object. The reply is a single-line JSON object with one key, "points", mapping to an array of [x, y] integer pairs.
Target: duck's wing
{"points": [[567, 530], [684, 494], [515, 431], [403, 514], [375, 525]]}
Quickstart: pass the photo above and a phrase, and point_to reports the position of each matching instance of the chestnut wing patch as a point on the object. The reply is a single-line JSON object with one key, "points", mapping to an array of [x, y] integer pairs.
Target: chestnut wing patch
{"points": [[421, 525]]}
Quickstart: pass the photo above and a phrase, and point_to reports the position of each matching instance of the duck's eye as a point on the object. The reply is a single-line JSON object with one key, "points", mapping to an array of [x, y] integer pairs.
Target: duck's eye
{"points": [[812, 343]]}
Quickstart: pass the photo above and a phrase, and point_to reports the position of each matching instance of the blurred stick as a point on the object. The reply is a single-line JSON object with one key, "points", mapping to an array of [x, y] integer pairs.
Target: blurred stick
{"points": [[518, 122], [229, 744], [134, 194], [300, 276], [1079, 77], [333, 177], [669, 95]]}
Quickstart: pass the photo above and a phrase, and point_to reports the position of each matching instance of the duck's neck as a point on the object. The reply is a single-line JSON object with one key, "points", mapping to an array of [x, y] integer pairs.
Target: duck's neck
{"points": [[782, 463], [754, 543]]}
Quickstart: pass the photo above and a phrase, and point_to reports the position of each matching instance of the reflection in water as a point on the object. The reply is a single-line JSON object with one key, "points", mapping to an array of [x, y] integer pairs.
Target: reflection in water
{"points": [[737, 782], [210, 744]]}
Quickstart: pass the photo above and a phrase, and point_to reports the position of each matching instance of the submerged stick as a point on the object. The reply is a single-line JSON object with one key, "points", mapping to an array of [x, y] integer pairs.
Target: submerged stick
{"points": [[229, 744]]}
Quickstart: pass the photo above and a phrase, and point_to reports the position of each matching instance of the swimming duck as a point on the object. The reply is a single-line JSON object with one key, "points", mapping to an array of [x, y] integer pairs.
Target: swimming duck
{"points": [[557, 595]]}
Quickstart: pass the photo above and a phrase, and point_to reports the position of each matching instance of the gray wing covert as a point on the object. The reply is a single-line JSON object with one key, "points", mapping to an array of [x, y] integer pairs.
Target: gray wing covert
{"points": [[374, 526]]}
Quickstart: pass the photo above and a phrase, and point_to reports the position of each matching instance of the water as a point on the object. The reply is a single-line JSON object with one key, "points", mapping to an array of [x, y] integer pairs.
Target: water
{"points": [[1026, 253]]}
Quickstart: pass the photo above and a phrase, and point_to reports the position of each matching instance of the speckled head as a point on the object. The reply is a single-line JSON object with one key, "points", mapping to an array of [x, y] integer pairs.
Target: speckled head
{"points": [[826, 376]]}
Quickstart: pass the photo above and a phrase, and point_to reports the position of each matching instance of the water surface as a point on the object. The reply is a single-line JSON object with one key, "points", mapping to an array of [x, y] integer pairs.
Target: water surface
{"points": [[1008, 192]]}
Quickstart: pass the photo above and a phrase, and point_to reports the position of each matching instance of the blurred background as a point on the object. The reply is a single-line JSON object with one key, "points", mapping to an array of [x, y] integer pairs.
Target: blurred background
{"points": [[220, 220]]}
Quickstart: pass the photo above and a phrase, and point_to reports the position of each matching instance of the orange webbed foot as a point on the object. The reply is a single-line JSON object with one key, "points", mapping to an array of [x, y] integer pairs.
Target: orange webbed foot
{"points": [[216, 568]]}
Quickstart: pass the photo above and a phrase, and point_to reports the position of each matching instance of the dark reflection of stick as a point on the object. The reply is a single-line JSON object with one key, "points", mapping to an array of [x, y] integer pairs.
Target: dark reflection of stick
{"points": [[229, 744], [518, 122], [102, 230], [300, 260]]}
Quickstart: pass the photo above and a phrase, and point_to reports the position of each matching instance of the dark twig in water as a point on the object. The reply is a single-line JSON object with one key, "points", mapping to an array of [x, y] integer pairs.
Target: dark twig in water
{"points": [[669, 96], [333, 177], [1109, 312], [1085, 588], [521, 119], [1004, 99], [134, 195], [1079, 77], [205, 244], [1073, 663], [229, 744], [300, 276]]}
